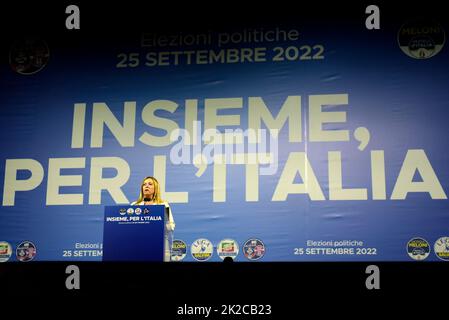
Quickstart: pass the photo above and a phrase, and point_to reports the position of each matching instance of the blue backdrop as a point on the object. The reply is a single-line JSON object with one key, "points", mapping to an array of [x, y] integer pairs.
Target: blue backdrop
{"points": [[401, 101]]}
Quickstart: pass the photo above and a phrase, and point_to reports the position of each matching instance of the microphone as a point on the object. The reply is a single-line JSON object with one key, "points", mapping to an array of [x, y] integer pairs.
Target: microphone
{"points": [[147, 199]]}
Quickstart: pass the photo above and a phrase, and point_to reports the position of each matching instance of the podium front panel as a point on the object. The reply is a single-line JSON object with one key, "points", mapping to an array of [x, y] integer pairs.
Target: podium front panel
{"points": [[133, 233]]}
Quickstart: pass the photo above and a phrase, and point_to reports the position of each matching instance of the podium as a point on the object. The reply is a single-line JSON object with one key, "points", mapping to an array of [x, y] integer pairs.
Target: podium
{"points": [[133, 233]]}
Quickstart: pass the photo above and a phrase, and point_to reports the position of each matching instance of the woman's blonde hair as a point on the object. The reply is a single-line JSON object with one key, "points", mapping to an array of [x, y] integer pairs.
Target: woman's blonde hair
{"points": [[157, 191]]}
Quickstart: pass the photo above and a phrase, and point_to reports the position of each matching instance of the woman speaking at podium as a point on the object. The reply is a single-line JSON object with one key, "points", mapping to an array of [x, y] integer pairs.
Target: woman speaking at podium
{"points": [[150, 194]]}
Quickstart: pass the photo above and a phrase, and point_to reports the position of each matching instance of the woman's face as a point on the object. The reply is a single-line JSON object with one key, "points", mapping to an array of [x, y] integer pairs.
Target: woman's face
{"points": [[148, 188]]}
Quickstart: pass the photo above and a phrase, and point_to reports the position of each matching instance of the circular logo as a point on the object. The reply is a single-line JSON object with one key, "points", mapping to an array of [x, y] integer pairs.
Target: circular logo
{"points": [[28, 56], [421, 39], [122, 211], [254, 249], [130, 210], [418, 249], [441, 248], [138, 211], [201, 249], [228, 248], [178, 250], [5, 251], [26, 251]]}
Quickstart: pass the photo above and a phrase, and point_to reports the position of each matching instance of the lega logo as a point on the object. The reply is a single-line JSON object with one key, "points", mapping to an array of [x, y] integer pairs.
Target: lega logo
{"points": [[421, 39], [201, 249], [441, 248]]}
